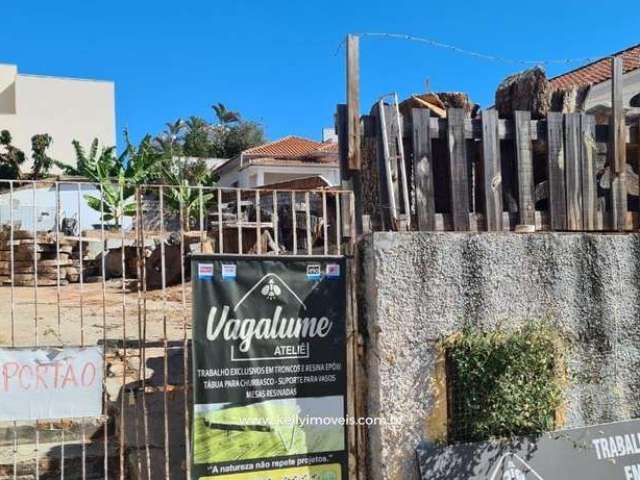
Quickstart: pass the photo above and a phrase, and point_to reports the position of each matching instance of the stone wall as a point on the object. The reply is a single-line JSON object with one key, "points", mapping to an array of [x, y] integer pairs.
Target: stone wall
{"points": [[423, 286]]}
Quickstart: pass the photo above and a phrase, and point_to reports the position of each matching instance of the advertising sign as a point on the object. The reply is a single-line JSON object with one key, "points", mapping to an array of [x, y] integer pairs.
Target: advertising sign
{"points": [[610, 451], [50, 383], [269, 368]]}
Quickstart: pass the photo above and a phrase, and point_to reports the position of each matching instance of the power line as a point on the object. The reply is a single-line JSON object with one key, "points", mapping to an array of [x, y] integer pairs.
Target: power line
{"points": [[471, 53]]}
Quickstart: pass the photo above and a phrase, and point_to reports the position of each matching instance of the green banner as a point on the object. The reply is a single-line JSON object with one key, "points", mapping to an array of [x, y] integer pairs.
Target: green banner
{"points": [[269, 375]]}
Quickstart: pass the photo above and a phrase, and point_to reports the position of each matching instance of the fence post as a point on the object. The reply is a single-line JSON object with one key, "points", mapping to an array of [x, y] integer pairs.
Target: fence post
{"points": [[524, 165], [423, 168], [617, 149], [492, 174], [458, 171], [573, 171], [556, 180], [587, 160]]}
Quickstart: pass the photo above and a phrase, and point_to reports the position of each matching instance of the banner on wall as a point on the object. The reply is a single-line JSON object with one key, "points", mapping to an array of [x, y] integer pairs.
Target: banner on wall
{"points": [[50, 383], [597, 452], [269, 368]]}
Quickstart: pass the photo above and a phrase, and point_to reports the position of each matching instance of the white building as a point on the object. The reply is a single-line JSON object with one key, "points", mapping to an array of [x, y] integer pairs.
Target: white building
{"points": [[65, 108], [289, 158]]}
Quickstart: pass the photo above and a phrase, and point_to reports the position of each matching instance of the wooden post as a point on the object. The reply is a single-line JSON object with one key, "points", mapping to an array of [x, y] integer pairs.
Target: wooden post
{"points": [[556, 180], [617, 149], [423, 169], [458, 171], [353, 102], [587, 160], [492, 176], [573, 171], [524, 163]]}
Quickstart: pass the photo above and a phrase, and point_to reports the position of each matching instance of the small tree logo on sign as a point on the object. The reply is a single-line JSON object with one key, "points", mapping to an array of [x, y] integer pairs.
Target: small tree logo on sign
{"points": [[271, 290], [513, 473]]}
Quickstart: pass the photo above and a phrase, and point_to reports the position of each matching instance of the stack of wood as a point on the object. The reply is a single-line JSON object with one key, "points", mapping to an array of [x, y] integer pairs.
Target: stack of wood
{"points": [[51, 258]]}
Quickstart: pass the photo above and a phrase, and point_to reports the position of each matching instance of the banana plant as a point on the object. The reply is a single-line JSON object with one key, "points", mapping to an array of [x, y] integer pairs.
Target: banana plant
{"points": [[119, 177], [182, 194]]}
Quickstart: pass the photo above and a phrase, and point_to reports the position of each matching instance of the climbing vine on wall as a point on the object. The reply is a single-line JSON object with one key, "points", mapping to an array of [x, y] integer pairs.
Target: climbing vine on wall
{"points": [[503, 383]]}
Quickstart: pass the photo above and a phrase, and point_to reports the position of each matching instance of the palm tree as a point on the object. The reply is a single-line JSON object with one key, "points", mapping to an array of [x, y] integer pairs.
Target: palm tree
{"points": [[225, 116], [168, 142]]}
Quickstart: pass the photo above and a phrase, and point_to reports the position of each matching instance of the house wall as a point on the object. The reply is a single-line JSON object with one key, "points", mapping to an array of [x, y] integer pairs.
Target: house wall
{"points": [[421, 287], [66, 109], [72, 205], [258, 175], [600, 94]]}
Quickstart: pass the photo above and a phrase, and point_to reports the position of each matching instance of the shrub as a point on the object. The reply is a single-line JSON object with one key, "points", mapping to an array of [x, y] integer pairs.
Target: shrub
{"points": [[503, 383]]}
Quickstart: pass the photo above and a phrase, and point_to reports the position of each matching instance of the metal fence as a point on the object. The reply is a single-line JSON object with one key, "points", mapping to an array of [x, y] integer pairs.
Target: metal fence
{"points": [[111, 268]]}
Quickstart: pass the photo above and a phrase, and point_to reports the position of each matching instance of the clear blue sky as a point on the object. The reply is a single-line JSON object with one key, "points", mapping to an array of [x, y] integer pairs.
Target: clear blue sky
{"points": [[275, 61]]}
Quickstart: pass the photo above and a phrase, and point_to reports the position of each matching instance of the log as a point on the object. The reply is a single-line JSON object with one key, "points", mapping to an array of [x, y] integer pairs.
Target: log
{"points": [[528, 90]]}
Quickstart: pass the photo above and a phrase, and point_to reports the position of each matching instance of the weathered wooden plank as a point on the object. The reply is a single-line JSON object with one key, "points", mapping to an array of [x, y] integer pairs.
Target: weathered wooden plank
{"points": [[388, 168], [588, 162], [524, 164], [573, 170], [423, 169], [491, 171], [555, 172], [617, 149], [343, 144], [353, 102], [458, 171]]}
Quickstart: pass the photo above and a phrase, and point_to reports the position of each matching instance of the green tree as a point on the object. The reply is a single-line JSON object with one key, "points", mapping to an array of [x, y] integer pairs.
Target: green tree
{"points": [[196, 139], [42, 162], [11, 158], [169, 142]]}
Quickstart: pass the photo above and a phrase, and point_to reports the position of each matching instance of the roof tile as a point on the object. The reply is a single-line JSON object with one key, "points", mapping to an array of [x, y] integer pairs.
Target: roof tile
{"points": [[598, 71]]}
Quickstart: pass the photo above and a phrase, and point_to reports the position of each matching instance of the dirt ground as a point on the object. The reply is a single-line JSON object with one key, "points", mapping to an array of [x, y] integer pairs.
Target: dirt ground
{"points": [[82, 315]]}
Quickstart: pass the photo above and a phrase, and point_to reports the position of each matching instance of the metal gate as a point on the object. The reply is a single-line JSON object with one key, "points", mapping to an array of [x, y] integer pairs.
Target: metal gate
{"points": [[83, 264]]}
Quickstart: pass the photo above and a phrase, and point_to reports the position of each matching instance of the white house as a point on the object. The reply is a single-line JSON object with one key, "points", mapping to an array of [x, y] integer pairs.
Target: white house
{"points": [[65, 108], [597, 77], [286, 159]]}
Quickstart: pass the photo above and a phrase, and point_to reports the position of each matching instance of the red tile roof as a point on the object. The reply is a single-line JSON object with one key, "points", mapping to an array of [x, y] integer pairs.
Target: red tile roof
{"points": [[286, 147], [598, 71]]}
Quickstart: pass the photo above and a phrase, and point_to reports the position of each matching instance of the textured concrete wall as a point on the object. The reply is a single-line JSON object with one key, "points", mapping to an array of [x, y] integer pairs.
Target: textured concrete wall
{"points": [[423, 286]]}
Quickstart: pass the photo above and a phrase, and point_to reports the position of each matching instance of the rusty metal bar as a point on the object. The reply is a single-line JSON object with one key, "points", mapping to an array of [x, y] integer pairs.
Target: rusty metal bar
{"points": [[258, 220], [104, 338], [185, 338], [220, 223], [81, 255], [238, 220], [58, 296], [274, 221], [141, 270], [294, 223], [124, 336], [308, 225], [325, 226], [338, 226], [35, 310], [165, 364]]}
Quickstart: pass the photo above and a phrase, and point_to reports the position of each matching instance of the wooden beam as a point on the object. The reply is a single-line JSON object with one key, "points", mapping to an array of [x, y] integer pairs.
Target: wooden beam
{"points": [[573, 171], [555, 172], [524, 165], [458, 171], [492, 175], [617, 149], [423, 169], [353, 102], [588, 162]]}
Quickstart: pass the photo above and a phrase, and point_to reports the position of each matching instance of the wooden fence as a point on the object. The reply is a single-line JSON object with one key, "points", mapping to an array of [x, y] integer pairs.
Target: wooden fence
{"points": [[568, 172]]}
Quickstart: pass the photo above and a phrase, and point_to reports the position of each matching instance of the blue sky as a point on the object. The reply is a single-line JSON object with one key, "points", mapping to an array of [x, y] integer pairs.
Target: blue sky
{"points": [[275, 61]]}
